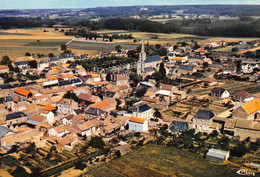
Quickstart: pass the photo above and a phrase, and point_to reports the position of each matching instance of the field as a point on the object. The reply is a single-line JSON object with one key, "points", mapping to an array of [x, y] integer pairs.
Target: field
{"points": [[155, 160], [16, 42]]}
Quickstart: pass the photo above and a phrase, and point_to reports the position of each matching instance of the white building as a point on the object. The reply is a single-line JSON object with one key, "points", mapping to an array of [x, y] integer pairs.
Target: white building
{"points": [[202, 120], [138, 125], [143, 112]]}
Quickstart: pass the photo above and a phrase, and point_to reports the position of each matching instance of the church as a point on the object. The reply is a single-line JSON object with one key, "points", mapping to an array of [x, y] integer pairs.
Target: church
{"points": [[146, 65]]}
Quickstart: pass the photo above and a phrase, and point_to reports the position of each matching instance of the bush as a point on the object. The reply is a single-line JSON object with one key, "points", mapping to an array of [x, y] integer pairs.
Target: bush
{"points": [[96, 142]]}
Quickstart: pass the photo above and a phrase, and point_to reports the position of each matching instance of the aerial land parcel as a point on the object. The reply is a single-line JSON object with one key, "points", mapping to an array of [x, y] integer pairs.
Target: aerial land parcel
{"points": [[155, 160]]}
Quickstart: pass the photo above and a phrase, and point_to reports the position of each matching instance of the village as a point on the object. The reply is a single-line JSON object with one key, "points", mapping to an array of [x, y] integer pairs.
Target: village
{"points": [[56, 110]]}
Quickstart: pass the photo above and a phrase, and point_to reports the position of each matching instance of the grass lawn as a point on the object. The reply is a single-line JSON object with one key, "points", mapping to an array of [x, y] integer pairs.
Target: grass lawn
{"points": [[155, 160]]}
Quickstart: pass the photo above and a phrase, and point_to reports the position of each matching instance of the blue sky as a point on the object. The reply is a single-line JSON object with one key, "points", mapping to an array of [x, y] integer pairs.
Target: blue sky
{"points": [[40, 4]]}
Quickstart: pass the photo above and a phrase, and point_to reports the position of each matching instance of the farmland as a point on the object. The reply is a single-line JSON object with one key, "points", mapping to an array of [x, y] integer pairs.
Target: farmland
{"points": [[15, 42], [155, 160]]}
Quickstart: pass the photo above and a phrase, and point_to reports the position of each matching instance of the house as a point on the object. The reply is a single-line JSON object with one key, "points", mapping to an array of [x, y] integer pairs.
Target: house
{"points": [[90, 128], [217, 155], [67, 120], [21, 64], [247, 111], [66, 106], [143, 111], [179, 124], [21, 92], [123, 148], [121, 80], [138, 124], [243, 96], [51, 81], [15, 118], [4, 69], [186, 69], [111, 94], [219, 92], [42, 64], [4, 132], [248, 67], [202, 120], [50, 118], [36, 120], [105, 105], [58, 131], [210, 81]]}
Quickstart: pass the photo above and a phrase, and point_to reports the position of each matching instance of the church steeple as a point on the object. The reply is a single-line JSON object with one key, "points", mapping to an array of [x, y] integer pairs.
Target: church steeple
{"points": [[141, 61]]}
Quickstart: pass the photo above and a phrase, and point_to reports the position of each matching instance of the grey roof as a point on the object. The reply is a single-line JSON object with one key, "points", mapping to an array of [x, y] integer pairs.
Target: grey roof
{"points": [[95, 111], [153, 59], [178, 125], [21, 63], [142, 108], [204, 114], [3, 130], [54, 59], [32, 122], [217, 153], [148, 84], [186, 67], [15, 115]]}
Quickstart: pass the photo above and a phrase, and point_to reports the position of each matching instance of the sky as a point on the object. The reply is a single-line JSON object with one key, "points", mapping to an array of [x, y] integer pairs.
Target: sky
{"points": [[43, 4]]}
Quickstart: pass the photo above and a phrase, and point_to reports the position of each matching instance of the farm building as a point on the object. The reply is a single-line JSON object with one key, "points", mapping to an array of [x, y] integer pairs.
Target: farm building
{"points": [[217, 155]]}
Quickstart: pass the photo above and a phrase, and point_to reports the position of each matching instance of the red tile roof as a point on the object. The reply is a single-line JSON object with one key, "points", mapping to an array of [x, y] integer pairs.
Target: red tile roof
{"points": [[100, 104], [21, 91], [138, 120]]}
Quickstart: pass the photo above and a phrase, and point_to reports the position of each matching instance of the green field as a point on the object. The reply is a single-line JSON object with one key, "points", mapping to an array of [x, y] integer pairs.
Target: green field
{"points": [[155, 160]]}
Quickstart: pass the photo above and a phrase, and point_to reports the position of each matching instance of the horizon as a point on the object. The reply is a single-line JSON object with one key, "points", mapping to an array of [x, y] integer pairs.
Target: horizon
{"points": [[80, 4]]}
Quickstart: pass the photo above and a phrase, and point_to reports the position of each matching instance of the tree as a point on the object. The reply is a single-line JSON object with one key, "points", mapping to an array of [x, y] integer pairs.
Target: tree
{"points": [[239, 150], [140, 91], [6, 60], [108, 77], [79, 164], [63, 47], [135, 79], [96, 142], [157, 114], [111, 39], [33, 64], [118, 153], [118, 48], [162, 70], [118, 102], [234, 49], [157, 76], [51, 55], [71, 95], [28, 54], [205, 64]]}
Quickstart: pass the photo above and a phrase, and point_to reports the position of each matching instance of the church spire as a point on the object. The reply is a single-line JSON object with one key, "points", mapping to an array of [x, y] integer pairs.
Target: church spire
{"points": [[142, 48]]}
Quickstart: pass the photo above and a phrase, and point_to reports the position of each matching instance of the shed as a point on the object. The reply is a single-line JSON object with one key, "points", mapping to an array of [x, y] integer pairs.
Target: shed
{"points": [[217, 155]]}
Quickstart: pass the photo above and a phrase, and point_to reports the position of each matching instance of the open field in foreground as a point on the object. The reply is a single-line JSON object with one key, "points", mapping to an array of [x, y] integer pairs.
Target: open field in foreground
{"points": [[155, 160]]}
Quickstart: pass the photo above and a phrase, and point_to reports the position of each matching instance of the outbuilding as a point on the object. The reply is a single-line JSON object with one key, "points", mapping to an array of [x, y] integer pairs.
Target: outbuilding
{"points": [[217, 155]]}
